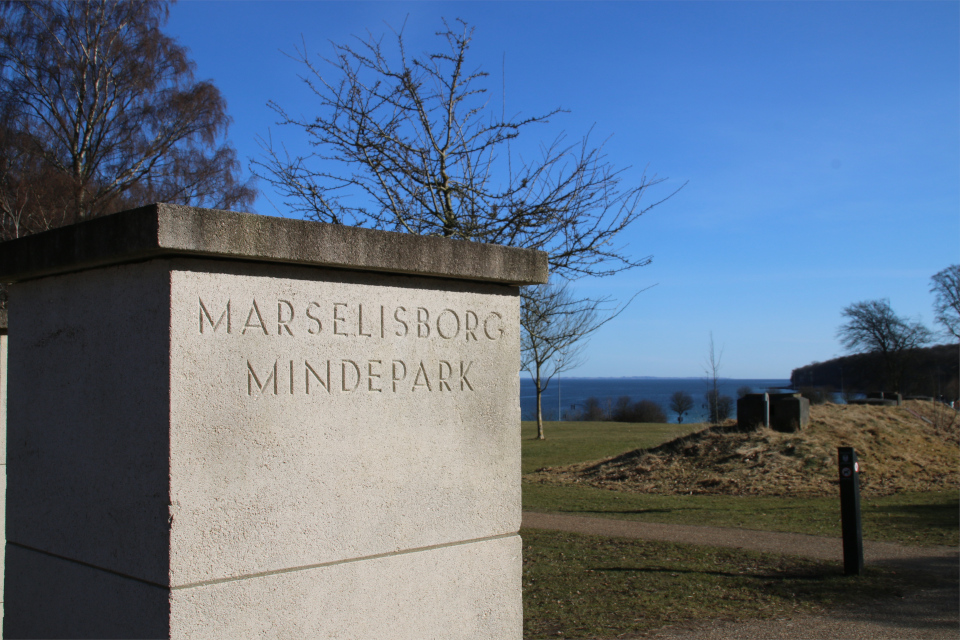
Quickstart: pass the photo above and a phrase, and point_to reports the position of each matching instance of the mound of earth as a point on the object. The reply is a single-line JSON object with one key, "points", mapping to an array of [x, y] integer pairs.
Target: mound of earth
{"points": [[913, 447]]}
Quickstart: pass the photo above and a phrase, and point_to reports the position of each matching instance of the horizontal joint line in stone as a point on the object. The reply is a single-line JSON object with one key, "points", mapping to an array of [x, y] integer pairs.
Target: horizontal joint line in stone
{"points": [[337, 562], [319, 565]]}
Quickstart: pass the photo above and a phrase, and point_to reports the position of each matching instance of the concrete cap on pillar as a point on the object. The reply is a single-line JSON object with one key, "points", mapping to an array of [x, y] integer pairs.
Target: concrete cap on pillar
{"points": [[163, 230]]}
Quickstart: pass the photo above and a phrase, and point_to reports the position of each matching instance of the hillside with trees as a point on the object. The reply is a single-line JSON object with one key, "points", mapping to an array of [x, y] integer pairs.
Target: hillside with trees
{"points": [[929, 371]]}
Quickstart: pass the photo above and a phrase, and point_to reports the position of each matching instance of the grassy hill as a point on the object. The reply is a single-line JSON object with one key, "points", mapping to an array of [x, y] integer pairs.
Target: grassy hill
{"points": [[901, 449]]}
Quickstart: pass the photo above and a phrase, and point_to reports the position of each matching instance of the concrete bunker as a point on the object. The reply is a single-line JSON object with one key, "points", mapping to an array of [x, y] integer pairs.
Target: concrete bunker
{"points": [[785, 412]]}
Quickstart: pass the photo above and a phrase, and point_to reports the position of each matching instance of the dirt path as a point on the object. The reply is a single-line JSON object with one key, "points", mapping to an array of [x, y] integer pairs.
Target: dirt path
{"points": [[932, 613]]}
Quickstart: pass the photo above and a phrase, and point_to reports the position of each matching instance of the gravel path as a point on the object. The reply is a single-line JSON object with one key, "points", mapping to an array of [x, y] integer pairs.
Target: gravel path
{"points": [[932, 613]]}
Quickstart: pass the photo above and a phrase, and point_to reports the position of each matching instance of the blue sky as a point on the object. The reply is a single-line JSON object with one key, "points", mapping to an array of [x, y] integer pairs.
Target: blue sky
{"points": [[820, 144]]}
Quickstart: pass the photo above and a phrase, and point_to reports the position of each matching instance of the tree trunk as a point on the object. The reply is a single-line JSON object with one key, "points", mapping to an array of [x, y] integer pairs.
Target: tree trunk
{"points": [[539, 410]]}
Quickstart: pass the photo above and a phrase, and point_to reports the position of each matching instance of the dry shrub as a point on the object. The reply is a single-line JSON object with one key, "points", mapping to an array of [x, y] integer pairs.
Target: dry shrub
{"points": [[910, 448]]}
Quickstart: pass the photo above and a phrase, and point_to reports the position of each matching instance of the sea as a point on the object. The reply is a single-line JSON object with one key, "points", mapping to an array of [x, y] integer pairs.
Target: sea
{"points": [[565, 395]]}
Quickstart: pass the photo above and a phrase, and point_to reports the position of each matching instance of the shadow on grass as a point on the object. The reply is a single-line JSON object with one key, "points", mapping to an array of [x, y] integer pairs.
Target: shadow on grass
{"points": [[944, 510], [607, 587], [934, 516]]}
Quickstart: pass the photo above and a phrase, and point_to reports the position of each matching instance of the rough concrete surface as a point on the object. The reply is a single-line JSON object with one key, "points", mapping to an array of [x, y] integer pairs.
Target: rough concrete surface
{"points": [[161, 230], [932, 613], [460, 592], [320, 420]]}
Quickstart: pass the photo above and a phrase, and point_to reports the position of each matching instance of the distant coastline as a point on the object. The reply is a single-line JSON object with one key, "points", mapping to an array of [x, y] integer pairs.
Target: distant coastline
{"points": [[566, 394]]}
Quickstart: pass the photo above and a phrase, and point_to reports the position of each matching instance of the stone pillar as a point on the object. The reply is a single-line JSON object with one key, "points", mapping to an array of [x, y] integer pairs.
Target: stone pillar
{"points": [[228, 426]]}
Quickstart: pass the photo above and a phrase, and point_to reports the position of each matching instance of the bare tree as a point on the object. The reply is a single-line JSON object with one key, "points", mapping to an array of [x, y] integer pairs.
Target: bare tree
{"points": [[555, 326], [641, 411], [410, 143], [718, 406], [873, 327], [680, 403], [712, 369], [594, 410], [99, 111], [946, 304]]}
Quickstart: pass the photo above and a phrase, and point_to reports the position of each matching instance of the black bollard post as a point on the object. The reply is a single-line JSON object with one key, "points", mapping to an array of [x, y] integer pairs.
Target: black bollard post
{"points": [[850, 511]]}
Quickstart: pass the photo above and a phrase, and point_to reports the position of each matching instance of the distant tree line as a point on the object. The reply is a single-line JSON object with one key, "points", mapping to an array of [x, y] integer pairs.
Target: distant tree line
{"points": [[929, 371], [718, 408], [624, 409]]}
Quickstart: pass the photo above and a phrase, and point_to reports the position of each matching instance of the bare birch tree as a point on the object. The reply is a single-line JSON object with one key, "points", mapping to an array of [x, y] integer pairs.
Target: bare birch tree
{"points": [[718, 406], [99, 111]]}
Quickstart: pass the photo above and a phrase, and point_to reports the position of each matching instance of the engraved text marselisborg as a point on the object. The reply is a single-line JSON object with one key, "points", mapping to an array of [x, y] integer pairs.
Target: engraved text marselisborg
{"points": [[361, 323]]}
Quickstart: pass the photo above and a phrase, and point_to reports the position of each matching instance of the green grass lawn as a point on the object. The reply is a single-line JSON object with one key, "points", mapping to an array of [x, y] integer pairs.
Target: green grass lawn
{"points": [[909, 518], [570, 442], [579, 586]]}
